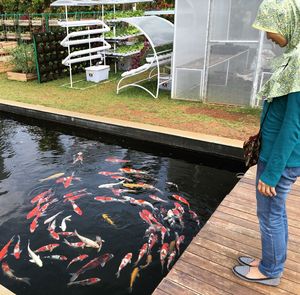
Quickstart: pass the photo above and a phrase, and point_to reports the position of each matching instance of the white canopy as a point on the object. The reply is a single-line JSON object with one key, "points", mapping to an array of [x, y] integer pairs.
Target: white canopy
{"points": [[94, 2]]}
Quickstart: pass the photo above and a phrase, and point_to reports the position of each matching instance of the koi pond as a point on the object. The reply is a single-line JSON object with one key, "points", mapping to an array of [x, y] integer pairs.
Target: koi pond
{"points": [[84, 213]]}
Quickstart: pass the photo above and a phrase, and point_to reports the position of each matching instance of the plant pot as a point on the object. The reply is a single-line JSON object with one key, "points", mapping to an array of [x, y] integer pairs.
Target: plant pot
{"points": [[53, 23], [21, 77], [24, 22], [36, 22], [9, 22], [11, 36], [26, 36]]}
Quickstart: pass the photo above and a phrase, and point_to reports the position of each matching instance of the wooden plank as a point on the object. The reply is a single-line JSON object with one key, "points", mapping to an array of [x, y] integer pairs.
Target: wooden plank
{"points": [[21, 77], [180, 274], [157, 291], [4, 291], [174, 289], [232, 282]]}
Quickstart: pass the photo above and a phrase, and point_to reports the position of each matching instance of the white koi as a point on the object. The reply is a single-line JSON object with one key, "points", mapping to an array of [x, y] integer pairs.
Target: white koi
{"points": [[63, 225], [53, 217], [34, 258]]}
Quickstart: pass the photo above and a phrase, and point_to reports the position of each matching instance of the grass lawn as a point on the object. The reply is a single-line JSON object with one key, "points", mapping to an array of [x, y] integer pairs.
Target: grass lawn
{"points": [[134, 104]]}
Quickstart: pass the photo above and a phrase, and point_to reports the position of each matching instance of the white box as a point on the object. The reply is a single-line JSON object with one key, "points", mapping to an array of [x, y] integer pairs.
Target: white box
{"points": [[97, 73], [165, 82]]}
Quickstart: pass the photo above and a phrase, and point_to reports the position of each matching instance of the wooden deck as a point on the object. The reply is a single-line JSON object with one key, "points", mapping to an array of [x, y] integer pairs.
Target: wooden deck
{"points": [[205, 266]]}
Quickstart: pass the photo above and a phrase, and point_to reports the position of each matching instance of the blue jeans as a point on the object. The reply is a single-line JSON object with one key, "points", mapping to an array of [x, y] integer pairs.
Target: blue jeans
{"points": [[271, 212]]}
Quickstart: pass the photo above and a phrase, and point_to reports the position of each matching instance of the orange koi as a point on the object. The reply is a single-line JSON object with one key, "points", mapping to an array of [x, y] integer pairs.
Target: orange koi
{"points": [[4, 250], [40, 196], [181, 199]]}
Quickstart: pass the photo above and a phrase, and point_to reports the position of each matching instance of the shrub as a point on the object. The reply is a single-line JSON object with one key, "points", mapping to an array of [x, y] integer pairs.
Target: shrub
{"points": [[23, 59]]}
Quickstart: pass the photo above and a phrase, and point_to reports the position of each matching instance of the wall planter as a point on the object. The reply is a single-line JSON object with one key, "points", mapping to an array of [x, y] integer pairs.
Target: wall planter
{"points": [[24, 22], [36, 22], [11, 36], [26, 36], [9, 22], [21, 77]]}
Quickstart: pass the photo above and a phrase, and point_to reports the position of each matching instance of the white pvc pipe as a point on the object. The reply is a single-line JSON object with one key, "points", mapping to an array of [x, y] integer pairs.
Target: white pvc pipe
{"points": [[80, 41], [84, 58]]}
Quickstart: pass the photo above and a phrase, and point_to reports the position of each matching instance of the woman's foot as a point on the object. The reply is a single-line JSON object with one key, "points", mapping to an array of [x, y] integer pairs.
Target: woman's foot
{"points": [[249, 261]]}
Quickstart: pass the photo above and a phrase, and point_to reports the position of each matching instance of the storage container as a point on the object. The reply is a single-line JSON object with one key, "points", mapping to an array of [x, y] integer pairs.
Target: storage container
{"points": [[97, 73]]}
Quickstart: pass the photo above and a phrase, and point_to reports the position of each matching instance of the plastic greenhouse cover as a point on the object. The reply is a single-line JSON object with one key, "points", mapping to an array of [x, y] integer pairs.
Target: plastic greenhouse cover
{"points": [[94, 2], [156, 29]]}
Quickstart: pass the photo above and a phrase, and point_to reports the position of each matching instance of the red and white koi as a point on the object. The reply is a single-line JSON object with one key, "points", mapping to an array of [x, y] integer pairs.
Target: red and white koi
{"points": [[143, 251], [53, 217], [163, 231], [47, 248], [163, 254], [63, 225], [78, 258], [72, 194], [124, 262], [151, 242], [116, 160], [150, 216], [76, 197], [110, 185], [17, 251], [10, 273], [33, 212], [51, 229], [41, 195], [78, 158], [181, 199], [66, 233], [195, 217], [171, 259], [179, 207], [57, 257], [34, 224], [75, 245], [153, 228], [142, 203], [108, 173], [179, 240], [155, 198], [145, 218], [45, 206], [104, 199], [132, 171], [76, 208], [4, 250], [90, 243], [86, 282]]}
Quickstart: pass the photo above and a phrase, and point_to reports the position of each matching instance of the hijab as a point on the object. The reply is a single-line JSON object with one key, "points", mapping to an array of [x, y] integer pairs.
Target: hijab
{"points": [[283, 17]]}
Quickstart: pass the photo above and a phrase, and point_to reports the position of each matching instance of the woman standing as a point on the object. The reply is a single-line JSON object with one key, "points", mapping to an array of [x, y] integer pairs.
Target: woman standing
{"points": [[279, 160]]}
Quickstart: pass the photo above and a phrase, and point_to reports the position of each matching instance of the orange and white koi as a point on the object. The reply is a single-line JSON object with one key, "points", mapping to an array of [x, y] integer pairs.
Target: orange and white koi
{"points": [[181, 199], [75, 245], [10, 273], [132, 171], [4, 250], [72, 194], [76, 209], [90, 243], [41, 195], [78, 158], [66, 233], [78, 258], [151, 242], [150, 216], [51, 229], [110, 185], [143, 251], [116, 160], [108, 173], [163, 254], [45, 206], [57, 257], [179, 207], [52, 217], [171, 259], [63, 225], [155, 198], [76, 197], [33, 212], [117, 192], [46, 248], [145, 218], [124, 262], [104, 199], [163, 231], [142, 203], [86, 282], [17, 251], [195, 217], [34, 224]]}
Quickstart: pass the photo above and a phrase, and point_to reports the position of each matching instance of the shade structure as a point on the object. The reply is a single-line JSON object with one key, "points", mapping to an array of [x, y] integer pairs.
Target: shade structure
{"points": [[95, 2], [218, 56]]}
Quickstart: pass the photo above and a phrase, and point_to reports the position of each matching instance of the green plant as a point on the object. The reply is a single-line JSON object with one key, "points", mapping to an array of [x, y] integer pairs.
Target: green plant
{"points": [[23, 59]]}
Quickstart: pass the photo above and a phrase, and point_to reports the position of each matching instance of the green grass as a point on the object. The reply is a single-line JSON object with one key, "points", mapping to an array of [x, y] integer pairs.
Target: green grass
{"points": [[131, 104]]}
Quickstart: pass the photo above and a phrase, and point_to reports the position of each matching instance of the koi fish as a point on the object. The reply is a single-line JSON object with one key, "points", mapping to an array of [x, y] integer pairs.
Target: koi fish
{"points": [[145, 218], [33, 212], [104, 199], [76, 209], [163, 254], [86, 282], [102, 260], [124, 262], [10, 273], [75, 245], [34, 224], [53, 217], [76, 197], [135, 274], [53, 234], [57, 257], [90, 243], [155, 198], [142, 203], [181, 199], [153, 228], [66, 233], [46, 248], [78, 258], [45, 206], [108, 219], [40, 196], [179, 240], [151, 242], [172, 246], [172, 184], [132, 171], [17, 251], [163, 231], [78, 158], [171, 259], [143, 251], [148, 261], [150, 216], [34, 258], [72, 194], [4, 250], [141, 185], [179, 207], [110, 185], [116, 160], [108, 173], [118, 192], [68, 181], [119, 177], [54, 176], [195, 217], [63, 225]]}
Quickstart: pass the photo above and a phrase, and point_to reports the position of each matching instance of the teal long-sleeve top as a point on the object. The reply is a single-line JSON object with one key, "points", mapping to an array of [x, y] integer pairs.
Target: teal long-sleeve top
{"points": [[280, 145]]}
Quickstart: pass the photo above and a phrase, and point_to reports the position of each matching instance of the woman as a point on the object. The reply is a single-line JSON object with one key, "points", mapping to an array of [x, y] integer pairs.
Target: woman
{"points": [[279, 160]]}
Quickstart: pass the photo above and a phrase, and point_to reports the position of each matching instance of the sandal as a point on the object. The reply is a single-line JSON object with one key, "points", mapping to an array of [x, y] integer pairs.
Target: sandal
{"points": [[241, 271]]}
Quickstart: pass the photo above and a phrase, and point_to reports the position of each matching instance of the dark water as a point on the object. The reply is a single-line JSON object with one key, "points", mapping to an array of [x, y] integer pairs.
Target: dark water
{"points": [[29, 152]]}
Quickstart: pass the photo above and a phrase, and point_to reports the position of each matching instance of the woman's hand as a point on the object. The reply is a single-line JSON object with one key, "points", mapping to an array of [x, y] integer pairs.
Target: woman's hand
{"points": [[265, 189]]}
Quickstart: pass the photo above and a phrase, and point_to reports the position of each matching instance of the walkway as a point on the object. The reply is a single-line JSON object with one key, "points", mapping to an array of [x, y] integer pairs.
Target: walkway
{"points": [[205, 266]]}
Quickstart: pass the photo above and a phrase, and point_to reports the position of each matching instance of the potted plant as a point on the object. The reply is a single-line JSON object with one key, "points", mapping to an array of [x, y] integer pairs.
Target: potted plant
{"points": [[22, 59], [11, 35]]}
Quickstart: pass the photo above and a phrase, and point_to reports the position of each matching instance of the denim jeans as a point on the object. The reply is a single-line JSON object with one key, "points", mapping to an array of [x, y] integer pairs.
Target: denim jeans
{"points": [[271, 213]]}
